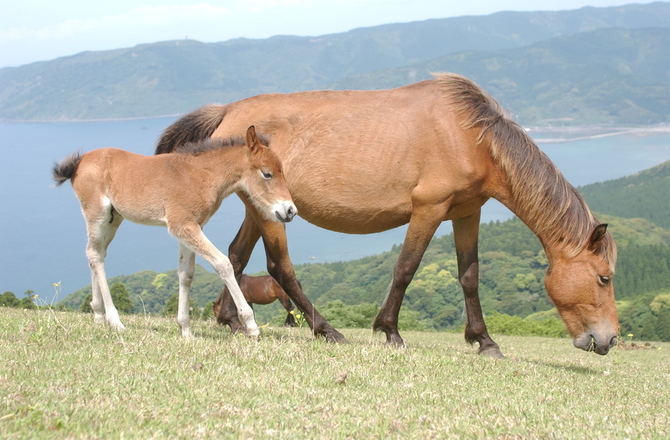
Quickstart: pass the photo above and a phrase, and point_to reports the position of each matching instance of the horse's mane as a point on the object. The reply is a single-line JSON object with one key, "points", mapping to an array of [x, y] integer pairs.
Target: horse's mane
{"points": [[211, 144], [195, 126], [554, 208]]}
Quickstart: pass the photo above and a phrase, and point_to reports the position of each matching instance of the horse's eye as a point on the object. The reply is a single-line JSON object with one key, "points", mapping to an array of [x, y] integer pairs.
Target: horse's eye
{"points": [[266, 175], [604, 280]]}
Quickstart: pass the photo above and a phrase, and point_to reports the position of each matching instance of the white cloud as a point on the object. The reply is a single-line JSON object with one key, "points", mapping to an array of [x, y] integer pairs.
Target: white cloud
{"points": [[145, 16]]}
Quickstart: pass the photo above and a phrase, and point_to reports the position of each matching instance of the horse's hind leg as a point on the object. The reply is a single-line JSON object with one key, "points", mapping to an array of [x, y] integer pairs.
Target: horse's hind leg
{"points": [[185, 271], [466, 235], [101, 231]]}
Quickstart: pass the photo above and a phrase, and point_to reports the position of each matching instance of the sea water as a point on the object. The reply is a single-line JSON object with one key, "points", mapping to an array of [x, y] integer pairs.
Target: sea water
{"points": [[43, 236]]}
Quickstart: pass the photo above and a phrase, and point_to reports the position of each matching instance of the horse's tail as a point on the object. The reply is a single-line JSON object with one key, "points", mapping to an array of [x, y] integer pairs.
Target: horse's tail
{"points": [[193, 127], [65, 169]]}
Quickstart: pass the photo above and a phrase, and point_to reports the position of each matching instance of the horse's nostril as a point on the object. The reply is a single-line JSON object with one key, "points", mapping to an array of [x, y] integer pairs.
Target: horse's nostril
{"points": [[613, 342]]}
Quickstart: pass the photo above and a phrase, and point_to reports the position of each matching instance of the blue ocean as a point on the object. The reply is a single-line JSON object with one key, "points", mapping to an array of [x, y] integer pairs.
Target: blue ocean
{"points": [[43, 237]]}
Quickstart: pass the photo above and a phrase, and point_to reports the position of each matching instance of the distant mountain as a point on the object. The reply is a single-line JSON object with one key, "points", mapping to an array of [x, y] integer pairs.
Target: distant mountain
{"points": [[610, 75], [177, 76]]}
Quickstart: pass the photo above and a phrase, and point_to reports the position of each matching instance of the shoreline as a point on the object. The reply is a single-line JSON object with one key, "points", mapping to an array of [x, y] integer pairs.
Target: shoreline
{"points": [[558, 135], [540, 134]]}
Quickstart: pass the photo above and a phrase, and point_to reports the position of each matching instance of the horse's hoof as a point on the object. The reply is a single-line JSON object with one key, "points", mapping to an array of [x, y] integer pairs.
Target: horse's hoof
{"points": [[255, 334], [395, 341], [117, 326], [336, 337], [493, 352]]}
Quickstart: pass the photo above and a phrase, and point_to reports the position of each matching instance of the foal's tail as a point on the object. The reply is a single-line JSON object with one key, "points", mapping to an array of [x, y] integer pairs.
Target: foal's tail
{"points": [[193, 127], [65, 169]]}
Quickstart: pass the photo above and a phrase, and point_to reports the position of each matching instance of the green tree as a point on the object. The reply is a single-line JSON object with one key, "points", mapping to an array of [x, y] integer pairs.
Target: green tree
{"points": [[120, 297], [8, 299], [172, 306]]}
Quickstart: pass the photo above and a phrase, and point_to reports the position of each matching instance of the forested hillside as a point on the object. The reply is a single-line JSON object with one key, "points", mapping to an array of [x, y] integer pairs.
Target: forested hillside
{"points": [[646, 195], [596, 64]]}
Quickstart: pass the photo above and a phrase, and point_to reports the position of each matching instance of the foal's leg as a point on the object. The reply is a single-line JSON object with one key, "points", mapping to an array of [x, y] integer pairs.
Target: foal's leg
{"points": [[192, 236], [101, 231], [288, 305], [466, 235], [422, 226], [239, 253], [185, 271]]}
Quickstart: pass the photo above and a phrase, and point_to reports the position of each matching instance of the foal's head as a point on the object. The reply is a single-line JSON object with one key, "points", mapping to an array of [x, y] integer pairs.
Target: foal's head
{"points": [[264, 181], [581, 288]]}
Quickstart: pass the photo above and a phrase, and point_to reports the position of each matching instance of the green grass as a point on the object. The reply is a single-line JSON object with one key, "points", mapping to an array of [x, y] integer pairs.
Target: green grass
{"points": [[62, 376]]}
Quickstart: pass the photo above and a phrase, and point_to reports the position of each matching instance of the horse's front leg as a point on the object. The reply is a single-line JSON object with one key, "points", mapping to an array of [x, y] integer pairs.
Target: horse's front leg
{"points": [[239, 253], [281, 268], [191, 235], [466, 236], [185, 271], [422, 226]]}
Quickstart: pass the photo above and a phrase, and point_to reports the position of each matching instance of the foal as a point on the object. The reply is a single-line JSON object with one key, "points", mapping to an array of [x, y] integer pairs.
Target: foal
{"points": [[181, 191], [260, 290]]}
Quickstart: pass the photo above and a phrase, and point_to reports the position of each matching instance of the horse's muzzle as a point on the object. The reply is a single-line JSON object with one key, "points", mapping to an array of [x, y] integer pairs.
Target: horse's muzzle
{"points": [[590, 341], [285, 211]]}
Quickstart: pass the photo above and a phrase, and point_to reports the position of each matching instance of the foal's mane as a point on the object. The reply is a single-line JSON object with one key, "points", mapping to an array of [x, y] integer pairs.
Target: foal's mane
{"points": [[554, 209], [211, 144]]}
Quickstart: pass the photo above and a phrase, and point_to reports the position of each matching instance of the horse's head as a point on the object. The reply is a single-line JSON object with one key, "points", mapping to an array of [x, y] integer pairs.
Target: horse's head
{"points": [[581, 288], [264, 181]]}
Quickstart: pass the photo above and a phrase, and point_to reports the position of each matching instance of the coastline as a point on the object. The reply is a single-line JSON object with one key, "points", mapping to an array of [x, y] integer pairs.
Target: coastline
{"points": [[541, 134], [559, 135]]}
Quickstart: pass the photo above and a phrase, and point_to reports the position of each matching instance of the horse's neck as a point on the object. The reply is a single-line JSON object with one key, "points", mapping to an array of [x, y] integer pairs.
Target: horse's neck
{"points": [[550, 206], [224, 167]]}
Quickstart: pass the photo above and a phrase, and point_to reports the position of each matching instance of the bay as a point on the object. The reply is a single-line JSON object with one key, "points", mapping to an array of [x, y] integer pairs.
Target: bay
{"points": [[42, 232]]}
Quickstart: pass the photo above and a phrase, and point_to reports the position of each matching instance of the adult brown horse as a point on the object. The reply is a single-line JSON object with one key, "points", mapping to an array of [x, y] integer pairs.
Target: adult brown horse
{"points": [[366, 161], [258, 290]]}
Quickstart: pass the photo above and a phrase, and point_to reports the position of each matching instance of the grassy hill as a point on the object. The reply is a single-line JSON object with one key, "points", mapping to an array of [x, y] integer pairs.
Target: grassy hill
{"points": [[177, 76]]}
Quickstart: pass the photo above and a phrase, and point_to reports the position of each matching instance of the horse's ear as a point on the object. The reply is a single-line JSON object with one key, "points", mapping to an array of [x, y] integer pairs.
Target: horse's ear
{"points": [[597, 235], [252, 138]]}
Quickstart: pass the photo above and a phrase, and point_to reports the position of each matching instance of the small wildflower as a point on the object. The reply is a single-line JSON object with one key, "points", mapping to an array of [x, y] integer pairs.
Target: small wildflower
{"points": [[35, 296], [57, 284]]}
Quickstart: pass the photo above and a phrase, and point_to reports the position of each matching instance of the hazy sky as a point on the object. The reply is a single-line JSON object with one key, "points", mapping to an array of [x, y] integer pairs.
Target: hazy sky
{"points": [[37, 30]]}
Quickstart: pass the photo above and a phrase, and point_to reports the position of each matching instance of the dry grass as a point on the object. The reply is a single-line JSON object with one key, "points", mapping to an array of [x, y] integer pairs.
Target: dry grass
{"points": [[61, 376]]}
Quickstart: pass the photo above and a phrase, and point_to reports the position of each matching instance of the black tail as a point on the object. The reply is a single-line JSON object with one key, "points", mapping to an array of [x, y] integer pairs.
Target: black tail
{"points": [[65, 169], [193, 127]]}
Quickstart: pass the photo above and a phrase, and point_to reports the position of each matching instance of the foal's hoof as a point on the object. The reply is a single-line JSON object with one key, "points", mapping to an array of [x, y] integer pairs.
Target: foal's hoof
{"points": [[117, 326], [493, 352]]}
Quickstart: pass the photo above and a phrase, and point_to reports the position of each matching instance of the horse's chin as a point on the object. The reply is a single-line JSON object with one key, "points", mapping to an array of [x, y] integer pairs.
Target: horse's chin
{"points": [[590, 342]]}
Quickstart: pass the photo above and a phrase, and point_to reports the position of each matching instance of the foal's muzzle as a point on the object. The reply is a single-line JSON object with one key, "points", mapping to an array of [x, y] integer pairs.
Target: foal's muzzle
{"points": [[285, 211]]}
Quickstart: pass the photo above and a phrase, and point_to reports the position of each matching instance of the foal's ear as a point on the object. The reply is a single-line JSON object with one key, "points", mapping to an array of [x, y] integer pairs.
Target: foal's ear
{"points": [[597, 235], [252, 138]]}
